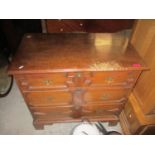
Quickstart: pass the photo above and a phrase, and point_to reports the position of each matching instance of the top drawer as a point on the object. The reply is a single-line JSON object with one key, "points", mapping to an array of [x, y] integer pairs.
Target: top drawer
{"points": [[77, 79], [114, 78], [41, 81], [124, 79]]}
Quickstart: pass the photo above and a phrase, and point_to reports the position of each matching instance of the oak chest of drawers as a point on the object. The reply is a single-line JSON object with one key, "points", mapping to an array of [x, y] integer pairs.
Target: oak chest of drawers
{"points": [[70, 77]]}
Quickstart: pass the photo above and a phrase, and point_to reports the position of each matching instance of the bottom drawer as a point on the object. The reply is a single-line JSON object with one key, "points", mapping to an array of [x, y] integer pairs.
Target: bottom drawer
{"points": [[102, 109], [90, 110], [51, 112]]}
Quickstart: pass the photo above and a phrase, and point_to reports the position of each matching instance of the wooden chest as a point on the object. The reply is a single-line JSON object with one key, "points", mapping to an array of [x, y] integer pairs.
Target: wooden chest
{"points": [[75, 76]]}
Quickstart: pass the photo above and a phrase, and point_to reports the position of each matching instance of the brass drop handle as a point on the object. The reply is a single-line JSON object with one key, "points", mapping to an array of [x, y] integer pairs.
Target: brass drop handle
{"points": [[47, 82], [109, 79], [104, 97]]}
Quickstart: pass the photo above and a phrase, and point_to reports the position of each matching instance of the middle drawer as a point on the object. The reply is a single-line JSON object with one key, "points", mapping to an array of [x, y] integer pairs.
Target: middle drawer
{"points": [[65, 97], [106, 94], [46, 98]]}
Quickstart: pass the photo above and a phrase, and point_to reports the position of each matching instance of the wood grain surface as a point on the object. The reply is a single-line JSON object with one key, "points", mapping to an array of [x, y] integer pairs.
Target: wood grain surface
{"points": [[41, 53]]}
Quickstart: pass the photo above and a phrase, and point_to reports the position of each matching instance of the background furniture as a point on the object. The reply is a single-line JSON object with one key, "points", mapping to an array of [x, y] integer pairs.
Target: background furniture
{"points": [[86, 25], [12, 30], [138, 116], [75, 76]]}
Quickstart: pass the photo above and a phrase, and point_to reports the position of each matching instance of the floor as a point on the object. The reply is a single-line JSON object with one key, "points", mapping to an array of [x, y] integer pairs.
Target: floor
{"points": [[15, 118]]}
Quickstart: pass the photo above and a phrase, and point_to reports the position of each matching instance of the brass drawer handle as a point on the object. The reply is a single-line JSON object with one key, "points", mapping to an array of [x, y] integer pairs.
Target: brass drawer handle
{"points": [[104, 97], [78, 75], [109, 80], [50, 98], [47, 82]]}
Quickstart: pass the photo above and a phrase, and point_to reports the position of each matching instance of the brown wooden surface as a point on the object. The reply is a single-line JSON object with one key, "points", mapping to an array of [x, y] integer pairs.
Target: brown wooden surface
{"points": [[63, 80], [107, 94], [138, 116], [144, 41], [71, 77], [88, 25], [133, 120], [47, 98], [40, 53]]}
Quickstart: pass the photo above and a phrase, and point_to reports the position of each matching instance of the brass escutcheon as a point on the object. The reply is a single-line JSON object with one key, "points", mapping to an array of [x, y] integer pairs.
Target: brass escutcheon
{"points": [[78, 75]]}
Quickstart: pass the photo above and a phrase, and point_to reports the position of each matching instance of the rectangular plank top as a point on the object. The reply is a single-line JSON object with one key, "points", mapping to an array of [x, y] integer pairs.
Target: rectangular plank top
{"points": [[60, 52]]}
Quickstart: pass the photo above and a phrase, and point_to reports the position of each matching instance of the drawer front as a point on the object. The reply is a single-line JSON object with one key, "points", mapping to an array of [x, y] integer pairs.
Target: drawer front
{"points": [[108, 95], [62, 112], [113, 78], [42, 81], [77, 79], [51, 112], [46, 98], [100, 110], [65, 25]]}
